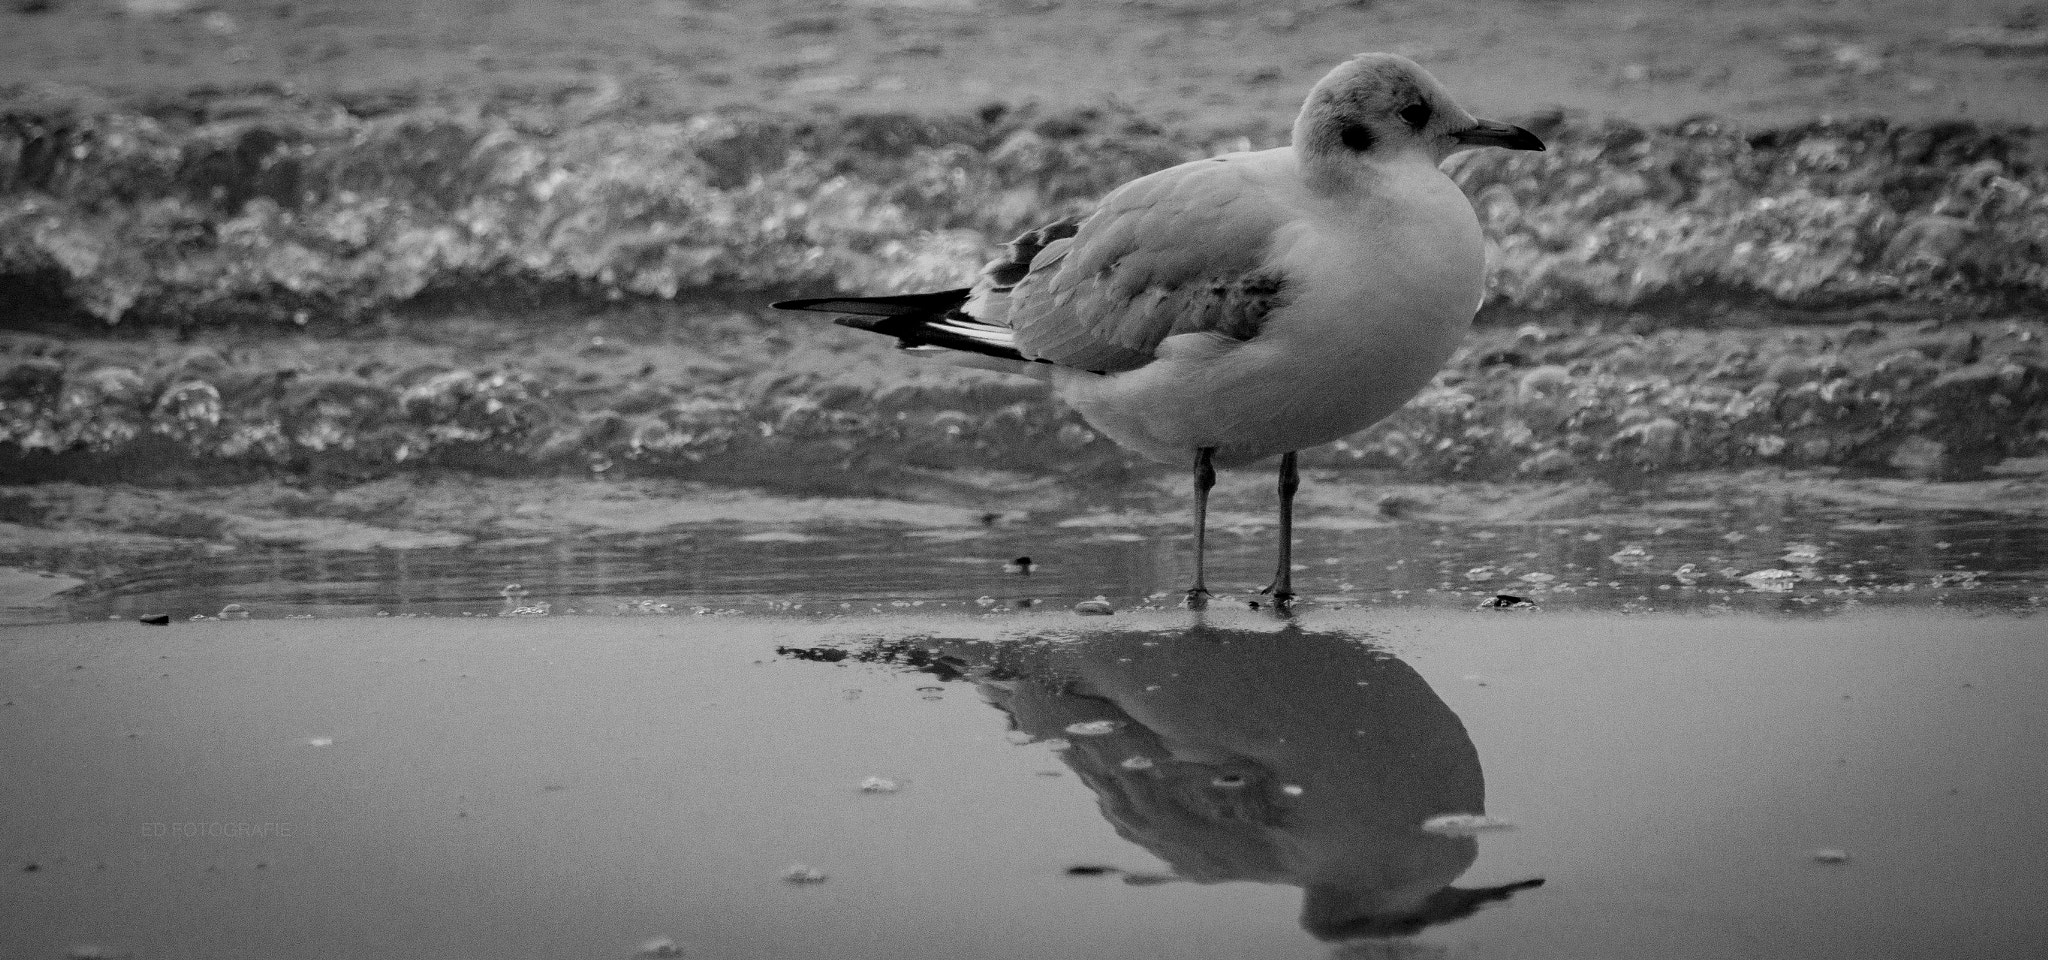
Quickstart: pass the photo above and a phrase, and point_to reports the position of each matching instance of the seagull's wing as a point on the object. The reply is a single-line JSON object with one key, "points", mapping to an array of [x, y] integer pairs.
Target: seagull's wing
{"points": [[1184, 250]]}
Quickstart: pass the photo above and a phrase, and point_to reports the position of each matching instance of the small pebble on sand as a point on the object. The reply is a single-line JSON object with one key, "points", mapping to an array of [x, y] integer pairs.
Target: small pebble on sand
{"points": [[658, 947], [801, 873]]}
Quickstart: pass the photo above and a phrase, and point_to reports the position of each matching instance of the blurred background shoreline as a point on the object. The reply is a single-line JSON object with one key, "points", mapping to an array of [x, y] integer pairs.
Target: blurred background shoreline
{"points": [[1189, 64]]}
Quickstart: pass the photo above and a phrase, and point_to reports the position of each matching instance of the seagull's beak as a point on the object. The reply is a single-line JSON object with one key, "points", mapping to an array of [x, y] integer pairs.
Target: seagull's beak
{"points": [[1493, 133]]}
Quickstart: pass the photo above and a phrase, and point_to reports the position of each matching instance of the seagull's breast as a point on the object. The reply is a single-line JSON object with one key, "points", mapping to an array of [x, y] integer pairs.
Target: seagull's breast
{"points": [[1380, 291], [1388, 283]]}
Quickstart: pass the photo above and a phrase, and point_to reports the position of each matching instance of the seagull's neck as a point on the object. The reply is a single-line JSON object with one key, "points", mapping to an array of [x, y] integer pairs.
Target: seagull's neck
{"points": [[1346, 179]]}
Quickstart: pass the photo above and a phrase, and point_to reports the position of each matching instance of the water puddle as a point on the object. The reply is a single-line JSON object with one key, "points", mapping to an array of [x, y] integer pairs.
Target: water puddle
{"points": [[1357, 783], [1686, 729]]}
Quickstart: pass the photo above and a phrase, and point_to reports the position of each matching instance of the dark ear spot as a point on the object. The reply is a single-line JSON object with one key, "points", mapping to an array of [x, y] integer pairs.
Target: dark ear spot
{"points": [[1416, 115], [1357, 137]]}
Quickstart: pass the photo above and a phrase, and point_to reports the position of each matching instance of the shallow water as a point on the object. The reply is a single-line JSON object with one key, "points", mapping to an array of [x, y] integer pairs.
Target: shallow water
{"points": [[397, 753], [1862, 784], [1675, 560]]}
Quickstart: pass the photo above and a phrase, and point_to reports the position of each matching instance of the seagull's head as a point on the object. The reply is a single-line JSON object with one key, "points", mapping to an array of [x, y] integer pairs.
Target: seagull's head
{"points": [[1377, 107]]}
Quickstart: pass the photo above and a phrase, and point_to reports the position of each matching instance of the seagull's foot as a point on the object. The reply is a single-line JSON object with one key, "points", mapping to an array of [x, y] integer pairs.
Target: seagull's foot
{"points": [[1283, 597], [1198, 598]]}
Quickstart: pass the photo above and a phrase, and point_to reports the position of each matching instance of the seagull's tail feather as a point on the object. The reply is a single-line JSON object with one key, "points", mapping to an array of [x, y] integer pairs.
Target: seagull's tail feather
{"points": [[918, 321], [903, 305]]}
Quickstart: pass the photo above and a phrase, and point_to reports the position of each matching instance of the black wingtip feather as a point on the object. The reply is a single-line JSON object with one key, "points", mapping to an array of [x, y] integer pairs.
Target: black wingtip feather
{"points": [[914, 319], [909, 304]]}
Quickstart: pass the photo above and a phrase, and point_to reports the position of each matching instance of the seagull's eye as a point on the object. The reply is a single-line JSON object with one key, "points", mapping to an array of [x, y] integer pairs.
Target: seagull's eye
{"points": [[1416, 115], [1356, 137]]}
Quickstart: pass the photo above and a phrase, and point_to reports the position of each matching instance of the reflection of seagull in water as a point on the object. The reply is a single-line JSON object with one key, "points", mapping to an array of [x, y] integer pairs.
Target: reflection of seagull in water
{"points": [[1293, 757], [1230, 309]]}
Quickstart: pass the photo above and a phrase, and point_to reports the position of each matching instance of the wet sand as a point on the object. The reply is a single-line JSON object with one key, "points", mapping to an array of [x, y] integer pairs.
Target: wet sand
{"points": [[429, 545], [578, 786]]}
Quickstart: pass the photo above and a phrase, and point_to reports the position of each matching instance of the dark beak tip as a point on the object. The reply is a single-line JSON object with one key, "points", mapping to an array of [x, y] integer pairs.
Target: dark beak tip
{"points": [[1493, 133], [1520, 138]]}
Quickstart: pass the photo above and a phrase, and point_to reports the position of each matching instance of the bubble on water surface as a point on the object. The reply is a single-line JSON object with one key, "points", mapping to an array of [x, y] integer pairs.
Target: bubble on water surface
{"points": [[1801, 554], [879, 785], [1118, 537], [1771, 581], [234, 611]]}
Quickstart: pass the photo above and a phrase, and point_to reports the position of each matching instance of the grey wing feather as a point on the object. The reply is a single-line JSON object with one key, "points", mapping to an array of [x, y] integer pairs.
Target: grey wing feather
{"points": [[1022, 255], [1184, 250]]}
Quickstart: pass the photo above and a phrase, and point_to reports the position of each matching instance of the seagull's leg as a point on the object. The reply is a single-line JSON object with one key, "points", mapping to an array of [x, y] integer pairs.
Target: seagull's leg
{"points": [[1282, 588], [1205, 477]]}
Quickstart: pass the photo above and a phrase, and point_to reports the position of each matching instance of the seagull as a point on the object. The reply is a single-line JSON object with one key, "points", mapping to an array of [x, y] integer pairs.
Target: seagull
{"points": [[1257, 303]]}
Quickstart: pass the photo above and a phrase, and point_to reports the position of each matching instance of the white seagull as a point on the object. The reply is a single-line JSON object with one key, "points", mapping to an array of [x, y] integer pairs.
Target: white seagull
{"points": [[1258, 303]]}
